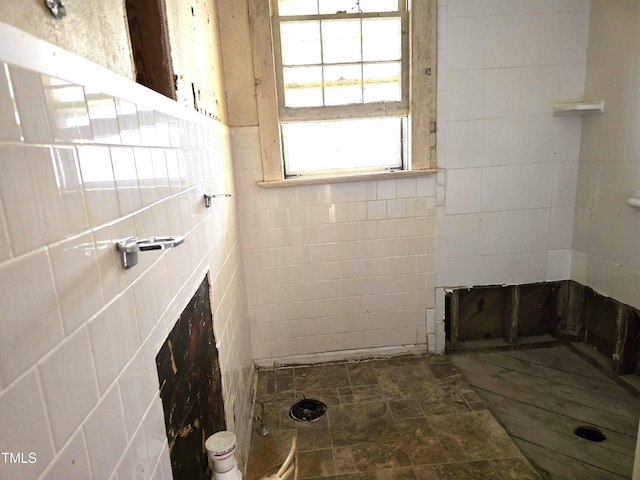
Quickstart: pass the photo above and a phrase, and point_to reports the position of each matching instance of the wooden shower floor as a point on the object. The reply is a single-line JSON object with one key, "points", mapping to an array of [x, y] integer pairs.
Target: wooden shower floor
{"points": [[541, 395]]}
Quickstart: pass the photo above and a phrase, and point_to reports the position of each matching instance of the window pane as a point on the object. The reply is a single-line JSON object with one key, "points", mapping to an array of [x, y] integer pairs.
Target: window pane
{"points": [[302, 86], [378, 5], [342, 84], [335, 6], [300, 43], [382, 82], [381, 39], [297, 7], [345, 145], [341, 41]]}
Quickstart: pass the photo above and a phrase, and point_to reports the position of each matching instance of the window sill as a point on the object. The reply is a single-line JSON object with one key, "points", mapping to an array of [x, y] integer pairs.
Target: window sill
{"points": [[287, 182]]}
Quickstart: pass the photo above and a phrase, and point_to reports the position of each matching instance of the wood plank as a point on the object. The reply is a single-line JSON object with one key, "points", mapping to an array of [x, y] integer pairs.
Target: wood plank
{"points": [[484, 379], [607, 388], [541, 418], [473, 367], [559, 358], [571, 446], [556, 466]]}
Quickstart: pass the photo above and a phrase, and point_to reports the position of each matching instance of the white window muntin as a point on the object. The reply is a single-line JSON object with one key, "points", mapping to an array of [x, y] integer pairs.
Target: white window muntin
{"points": [[349, 110]]}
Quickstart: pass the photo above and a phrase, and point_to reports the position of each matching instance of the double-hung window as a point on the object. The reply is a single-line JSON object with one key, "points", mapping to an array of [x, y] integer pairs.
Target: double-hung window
{"points": [[341, 72]]}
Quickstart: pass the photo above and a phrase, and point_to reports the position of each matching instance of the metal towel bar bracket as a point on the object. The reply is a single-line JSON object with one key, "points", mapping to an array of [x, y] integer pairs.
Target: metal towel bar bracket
{"points": [[208, 197], [131, 246]]}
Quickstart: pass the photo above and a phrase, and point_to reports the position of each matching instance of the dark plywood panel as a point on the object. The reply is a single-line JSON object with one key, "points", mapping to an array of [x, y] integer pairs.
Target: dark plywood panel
{"points": [[191, 388], [481, 313], [536, 313]]}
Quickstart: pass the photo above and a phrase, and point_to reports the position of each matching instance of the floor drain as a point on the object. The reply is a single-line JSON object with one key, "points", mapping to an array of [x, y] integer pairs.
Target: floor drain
{"points": [[307, 410], [590, 433]]}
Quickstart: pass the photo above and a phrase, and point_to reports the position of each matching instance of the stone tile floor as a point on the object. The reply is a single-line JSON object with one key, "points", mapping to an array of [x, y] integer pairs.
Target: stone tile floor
{"points": [[403, 418]]}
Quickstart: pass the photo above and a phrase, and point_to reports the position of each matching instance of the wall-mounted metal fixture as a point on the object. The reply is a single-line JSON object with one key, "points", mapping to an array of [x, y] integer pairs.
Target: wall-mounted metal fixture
{"points": [[634, 200], [130, 247], [57, 9], [207, 197]]}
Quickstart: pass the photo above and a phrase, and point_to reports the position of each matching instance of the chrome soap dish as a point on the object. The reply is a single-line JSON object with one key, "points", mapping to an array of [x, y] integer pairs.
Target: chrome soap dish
{"points": [[130, 247]]}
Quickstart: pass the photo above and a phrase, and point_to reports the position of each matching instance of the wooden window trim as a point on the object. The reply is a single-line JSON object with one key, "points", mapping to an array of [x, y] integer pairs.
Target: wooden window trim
{"points": [[422, 95]]}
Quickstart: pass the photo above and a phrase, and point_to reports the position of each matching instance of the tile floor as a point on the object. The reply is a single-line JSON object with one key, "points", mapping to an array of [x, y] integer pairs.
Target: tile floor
{"points": [[405, 418]]}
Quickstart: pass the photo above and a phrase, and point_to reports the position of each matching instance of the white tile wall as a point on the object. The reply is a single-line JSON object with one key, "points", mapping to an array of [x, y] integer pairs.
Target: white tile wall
{"points": [[335, 267], [81, 169], [606, 230], [511, 167]]}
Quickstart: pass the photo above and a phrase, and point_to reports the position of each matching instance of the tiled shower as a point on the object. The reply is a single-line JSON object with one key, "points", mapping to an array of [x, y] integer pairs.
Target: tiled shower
{"points": [[300, 273]]}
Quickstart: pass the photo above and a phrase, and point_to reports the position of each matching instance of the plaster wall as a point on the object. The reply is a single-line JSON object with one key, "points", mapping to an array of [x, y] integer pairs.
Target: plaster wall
{"points": [[93, 29], [98, 31], [197, 56]]}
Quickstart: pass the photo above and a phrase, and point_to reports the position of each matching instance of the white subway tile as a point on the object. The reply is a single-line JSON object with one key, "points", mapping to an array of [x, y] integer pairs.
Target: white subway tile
{"points": [[77, 279], [462, 235], [127, 114], [25, 427], [116, 321], [72, 463], [542, 39], [67, 110], [504, 7], [463, 8], [134, 392], [31, 197], [466, 42], [397, 208], [126, 180], [102, 116], [530, 267], [99, 184], [565, 181], [5, 243], [514, 231], [377, 210], [462, 271], [144, 297], [105, 426], [70, 190], [69, 384], [536, 139], [540, 86], [465, 95], [464, 190], [464, 144], [9, 120], [30, 329], [135, 461], [505, 40], [503, 92], [496, 269], [386, 189], [561, 228], [29, 98], [501, 142], [558, 265]]}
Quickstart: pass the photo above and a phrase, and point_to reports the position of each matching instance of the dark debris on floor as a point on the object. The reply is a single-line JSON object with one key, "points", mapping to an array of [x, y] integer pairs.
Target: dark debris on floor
{"points": [[403, 418]]}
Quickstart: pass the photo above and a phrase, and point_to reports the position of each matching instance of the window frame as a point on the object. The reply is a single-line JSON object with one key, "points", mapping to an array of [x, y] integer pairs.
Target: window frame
{"points": [[418, 78]]}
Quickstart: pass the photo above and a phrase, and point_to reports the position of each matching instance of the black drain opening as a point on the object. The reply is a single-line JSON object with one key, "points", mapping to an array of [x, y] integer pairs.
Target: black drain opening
{"points": [[307, 410], [590, 433]]}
